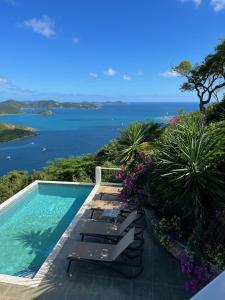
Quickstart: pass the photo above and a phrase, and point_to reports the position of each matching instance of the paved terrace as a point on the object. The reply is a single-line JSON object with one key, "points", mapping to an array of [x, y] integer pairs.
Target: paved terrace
{"points": [[161, 279]]}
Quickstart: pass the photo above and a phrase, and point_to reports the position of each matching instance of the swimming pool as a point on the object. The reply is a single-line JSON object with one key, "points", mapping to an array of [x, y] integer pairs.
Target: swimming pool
{"points": [[32, 224]]}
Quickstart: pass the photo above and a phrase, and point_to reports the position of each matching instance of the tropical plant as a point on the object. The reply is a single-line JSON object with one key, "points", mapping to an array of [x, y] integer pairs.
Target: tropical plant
{"points": [[81, 168], [135, 139], [207, 78], [109, 152], [216, 111], [187, 165], [11, 183]]}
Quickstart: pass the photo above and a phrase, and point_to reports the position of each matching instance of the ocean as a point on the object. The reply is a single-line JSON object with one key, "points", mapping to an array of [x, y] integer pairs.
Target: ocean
{"points": [[75, 132]]}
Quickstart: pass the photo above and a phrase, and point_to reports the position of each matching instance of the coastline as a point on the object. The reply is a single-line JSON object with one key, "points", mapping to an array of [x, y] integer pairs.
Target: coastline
{"points": [[76, 132], [3, 115], [21, 138]]}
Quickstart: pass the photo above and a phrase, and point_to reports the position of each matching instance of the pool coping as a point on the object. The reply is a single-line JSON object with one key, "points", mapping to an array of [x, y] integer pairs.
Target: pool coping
{"points": [[39, 276]]}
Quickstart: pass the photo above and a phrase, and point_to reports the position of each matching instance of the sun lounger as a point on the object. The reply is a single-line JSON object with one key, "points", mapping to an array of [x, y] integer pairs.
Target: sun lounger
{"points": [[107, 229], [99, 205], [108, 255]]}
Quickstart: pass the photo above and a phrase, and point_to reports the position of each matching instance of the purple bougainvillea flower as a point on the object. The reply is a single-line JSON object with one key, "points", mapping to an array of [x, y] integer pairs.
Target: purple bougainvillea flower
{"points": [[175, 120], [141, 154], [186, 286], [140, 167]]}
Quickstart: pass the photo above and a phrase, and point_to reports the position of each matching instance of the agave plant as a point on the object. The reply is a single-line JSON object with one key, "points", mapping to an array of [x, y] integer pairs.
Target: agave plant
{"points": [[136, 138], [188, 158]]}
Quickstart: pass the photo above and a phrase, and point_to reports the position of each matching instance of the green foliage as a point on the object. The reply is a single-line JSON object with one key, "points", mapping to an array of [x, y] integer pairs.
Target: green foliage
{"points": [[137, 138], [11, 183], [17, 107], [217, 255], [38, 175], [205, 244], [186, 164], [109, 175], [207, 78], [81, 168], [10, 132], [166, 227], [9, 108], [184, 68], [216, 111], [109, 152]]}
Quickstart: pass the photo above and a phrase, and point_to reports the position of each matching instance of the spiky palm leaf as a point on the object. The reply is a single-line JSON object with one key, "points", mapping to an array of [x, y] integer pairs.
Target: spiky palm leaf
{"points": [[136, 138], [186, 162]]}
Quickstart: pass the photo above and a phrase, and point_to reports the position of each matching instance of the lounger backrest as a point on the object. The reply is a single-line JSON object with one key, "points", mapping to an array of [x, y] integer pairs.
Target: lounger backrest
{"points": [[123, 243], [128, 221]]}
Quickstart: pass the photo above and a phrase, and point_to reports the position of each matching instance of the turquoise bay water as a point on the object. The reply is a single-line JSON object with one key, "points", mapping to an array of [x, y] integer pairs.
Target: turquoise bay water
{"points": [[75, 132], [31, 227]]}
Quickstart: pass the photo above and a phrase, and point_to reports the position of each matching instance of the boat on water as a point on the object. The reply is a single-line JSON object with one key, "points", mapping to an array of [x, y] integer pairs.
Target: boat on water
{"points": [[8, 157], [43, 149]]}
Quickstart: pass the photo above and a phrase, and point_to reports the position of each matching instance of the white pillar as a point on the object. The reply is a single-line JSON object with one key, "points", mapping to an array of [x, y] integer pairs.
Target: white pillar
{"points": [[98, 175]]}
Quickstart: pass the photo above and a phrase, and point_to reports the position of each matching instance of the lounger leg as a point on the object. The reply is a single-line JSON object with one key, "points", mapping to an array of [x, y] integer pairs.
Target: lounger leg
{"points": [[92, 212], [68, 268]]}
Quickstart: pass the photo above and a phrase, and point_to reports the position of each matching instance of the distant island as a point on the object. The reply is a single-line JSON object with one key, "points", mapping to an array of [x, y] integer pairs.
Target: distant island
{"points": [[10, 132], [46, 113], [11, 107]]}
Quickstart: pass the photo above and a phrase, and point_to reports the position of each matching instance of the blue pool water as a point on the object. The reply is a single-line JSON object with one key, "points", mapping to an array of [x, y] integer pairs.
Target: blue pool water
{"points": [[65, 133], [31, 227]]}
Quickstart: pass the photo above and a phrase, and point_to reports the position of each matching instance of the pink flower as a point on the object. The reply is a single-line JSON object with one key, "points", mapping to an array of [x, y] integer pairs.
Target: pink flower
{"points": [[120, 174], [140, 167], [141, 154], [182, 263], [193, 284], [186, 286], [174, 120]]}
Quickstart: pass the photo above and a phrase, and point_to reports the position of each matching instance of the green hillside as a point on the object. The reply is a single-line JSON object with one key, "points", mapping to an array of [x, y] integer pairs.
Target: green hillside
{"points": [[18, 107], [9, 108], [11, 132]]}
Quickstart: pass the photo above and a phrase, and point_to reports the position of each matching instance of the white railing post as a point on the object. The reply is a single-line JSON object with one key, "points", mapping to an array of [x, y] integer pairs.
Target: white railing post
{"points": [[98, 175]]}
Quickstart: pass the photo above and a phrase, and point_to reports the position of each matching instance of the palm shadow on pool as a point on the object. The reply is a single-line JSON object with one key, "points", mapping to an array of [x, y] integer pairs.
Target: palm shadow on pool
{"points": [[37, 243], [40, 243]]}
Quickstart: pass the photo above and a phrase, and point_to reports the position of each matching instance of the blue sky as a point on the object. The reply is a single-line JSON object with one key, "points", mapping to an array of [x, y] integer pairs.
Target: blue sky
{"points": [[97, 50]]}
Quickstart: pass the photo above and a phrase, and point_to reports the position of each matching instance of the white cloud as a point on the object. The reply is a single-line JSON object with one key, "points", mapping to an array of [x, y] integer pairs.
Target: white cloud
{"points": [[110, 72], [218, 5], [169, 74], [3, 81], [196, 2], [44, 26], [93, 74], [126, 77], [76, 40]]}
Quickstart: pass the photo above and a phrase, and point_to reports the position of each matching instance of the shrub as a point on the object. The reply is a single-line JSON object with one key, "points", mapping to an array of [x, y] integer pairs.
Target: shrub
{"points": [[165, 228], [196, 274], [216, 111], [187, 165], [109, 152], [12, 183], [135, 139], [133, 178], [81, 168]]}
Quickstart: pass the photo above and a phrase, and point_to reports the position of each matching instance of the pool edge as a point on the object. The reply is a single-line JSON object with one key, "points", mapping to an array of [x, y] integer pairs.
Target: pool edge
{"points": [[42, 272]]}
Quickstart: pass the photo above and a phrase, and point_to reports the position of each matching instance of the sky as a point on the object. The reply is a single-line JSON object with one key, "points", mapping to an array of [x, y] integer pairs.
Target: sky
{"points": [[97, 50]]}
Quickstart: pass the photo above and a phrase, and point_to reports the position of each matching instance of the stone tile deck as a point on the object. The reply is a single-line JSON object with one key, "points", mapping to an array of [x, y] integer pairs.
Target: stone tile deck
{"points": [[161, 279]]}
